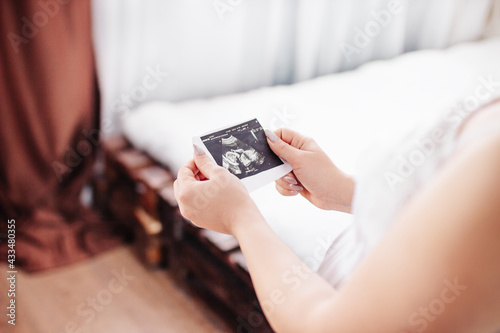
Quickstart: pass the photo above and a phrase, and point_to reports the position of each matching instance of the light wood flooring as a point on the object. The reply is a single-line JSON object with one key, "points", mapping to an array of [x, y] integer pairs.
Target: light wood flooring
{"points": [[144, 301]]}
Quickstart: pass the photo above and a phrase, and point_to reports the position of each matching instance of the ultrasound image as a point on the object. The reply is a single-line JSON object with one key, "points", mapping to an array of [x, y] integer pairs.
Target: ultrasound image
{"points": [[242, 149]]}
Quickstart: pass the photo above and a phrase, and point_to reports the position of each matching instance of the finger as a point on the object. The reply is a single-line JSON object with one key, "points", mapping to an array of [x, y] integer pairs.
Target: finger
{"points": [[188, 172], [282, 148], [204, 163], [199, 176], [293, 138], [291, 187], [286, 192], [290, 178], [185, 177], [176, 190]]}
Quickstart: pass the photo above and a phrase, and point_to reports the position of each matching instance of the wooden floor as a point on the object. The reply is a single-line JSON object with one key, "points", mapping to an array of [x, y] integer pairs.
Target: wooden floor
{"points": [[88, 297]]}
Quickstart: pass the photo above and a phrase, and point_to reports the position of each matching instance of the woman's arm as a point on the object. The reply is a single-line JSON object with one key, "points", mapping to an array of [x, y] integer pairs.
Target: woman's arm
{"points": [[437, 270], [286, 287], [212, 198]]}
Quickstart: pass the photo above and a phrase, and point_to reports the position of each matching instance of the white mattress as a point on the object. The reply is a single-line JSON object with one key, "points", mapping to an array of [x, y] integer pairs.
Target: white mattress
{"points": [[347, 114]]}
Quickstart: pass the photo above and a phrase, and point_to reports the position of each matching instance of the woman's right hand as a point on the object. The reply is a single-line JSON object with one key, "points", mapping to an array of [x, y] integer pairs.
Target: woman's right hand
{"points": [[314, 175]]}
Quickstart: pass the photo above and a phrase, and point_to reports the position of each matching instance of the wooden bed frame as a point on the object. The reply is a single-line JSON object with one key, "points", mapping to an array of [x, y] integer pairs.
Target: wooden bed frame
{"points": [[137, 193]]}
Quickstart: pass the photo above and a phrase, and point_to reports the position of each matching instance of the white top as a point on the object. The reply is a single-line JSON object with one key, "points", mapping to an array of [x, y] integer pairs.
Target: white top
{"points": [[386, 185]]}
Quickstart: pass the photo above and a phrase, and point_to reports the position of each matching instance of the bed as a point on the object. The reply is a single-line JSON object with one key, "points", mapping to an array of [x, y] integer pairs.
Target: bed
{"points": [[347, 113], [350, 114]]}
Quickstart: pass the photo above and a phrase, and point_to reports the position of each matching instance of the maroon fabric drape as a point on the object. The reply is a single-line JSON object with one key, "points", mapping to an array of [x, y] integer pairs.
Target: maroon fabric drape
{"points": [[48, 116]]}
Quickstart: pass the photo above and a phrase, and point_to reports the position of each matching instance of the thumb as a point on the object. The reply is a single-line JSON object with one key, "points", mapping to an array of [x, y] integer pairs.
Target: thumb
{"points": [[281, 148], [204, 163]]}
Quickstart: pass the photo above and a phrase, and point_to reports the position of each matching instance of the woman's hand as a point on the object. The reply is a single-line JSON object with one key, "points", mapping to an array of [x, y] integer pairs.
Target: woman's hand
{"points": [[314, 175], [210, 196]]}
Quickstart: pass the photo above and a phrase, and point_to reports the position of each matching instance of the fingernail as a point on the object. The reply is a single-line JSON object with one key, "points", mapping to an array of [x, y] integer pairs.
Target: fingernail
{"points": [[198, 151], [271, 136], [290, 180], [294, 192], [295, 187]]}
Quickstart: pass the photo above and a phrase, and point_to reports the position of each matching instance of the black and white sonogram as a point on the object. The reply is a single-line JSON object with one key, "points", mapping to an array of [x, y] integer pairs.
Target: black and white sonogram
{"points": [[242, 149]]}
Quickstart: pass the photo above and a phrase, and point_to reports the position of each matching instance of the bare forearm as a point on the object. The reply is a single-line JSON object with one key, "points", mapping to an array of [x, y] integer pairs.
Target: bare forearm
{"points": [[343, 189], [286, 287]]}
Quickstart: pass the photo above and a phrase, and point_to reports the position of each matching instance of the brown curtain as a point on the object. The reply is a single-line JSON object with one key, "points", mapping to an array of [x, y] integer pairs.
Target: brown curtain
{"points": [[48, 131]]}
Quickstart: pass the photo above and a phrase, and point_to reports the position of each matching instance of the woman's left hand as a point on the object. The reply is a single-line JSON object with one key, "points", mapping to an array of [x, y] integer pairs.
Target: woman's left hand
{"points": [[210, 196]]}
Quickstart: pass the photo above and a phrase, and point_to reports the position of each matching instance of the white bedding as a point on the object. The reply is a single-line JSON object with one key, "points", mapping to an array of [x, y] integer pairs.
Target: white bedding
{"points": [[346, 113]]}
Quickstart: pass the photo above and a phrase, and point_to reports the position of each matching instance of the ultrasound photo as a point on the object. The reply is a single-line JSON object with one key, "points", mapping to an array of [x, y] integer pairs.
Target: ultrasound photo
{"points": [[242, 149]]}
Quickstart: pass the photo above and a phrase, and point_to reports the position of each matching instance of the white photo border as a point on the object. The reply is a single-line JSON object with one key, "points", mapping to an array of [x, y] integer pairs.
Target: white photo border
{"points": [[258, 180]]}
